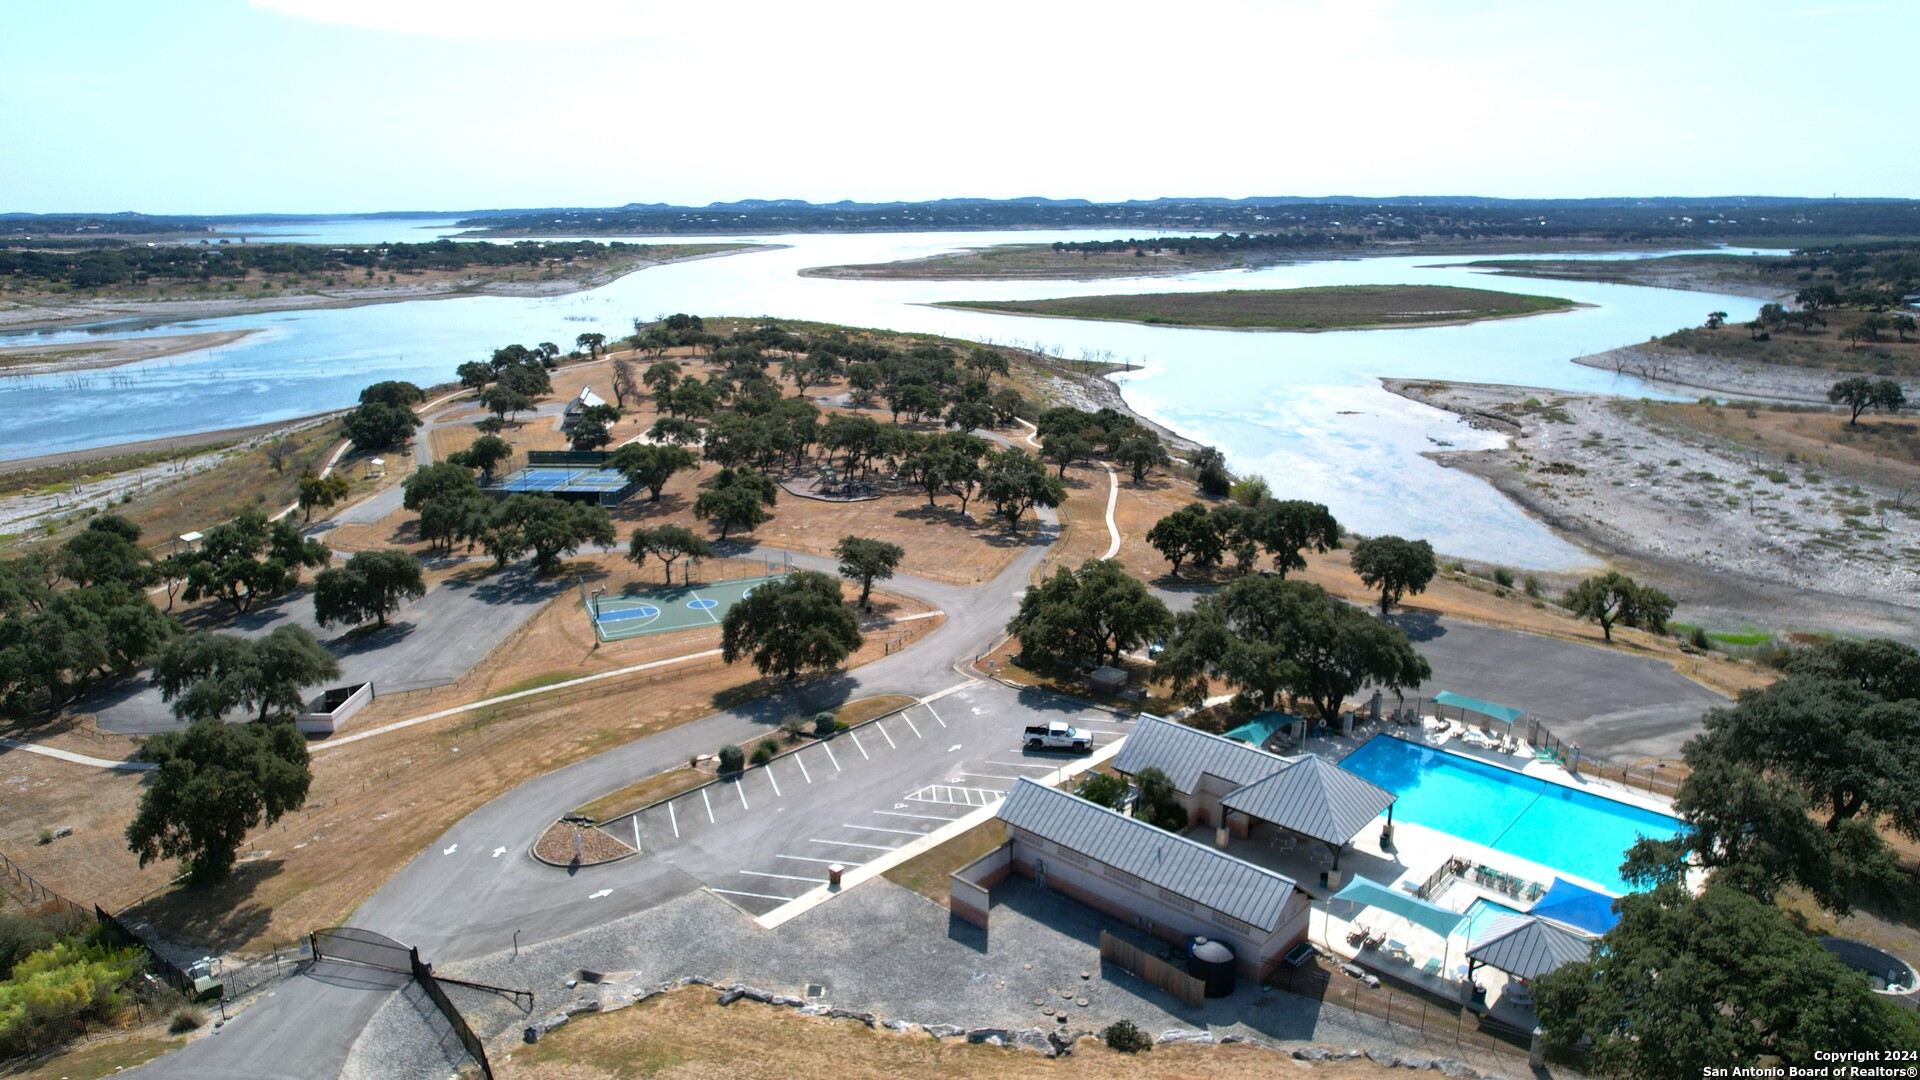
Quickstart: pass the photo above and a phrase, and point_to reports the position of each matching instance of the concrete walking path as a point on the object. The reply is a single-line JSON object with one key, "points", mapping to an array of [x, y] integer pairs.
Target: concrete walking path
{"points": [[78, 759]]}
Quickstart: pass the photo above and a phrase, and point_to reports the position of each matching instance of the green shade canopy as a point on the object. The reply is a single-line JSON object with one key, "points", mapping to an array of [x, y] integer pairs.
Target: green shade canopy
{"points": [[1369, 893], [1261, 728], [1502, 713]]}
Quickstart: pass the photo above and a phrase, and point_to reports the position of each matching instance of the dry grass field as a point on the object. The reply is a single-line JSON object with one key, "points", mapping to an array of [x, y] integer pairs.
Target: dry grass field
{"points": [[685, 1036], [377, 803]]}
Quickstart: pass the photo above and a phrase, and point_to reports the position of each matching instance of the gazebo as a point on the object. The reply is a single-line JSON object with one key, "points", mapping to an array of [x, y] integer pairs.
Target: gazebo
{"points": [[1316, 799], [1526, 947]]}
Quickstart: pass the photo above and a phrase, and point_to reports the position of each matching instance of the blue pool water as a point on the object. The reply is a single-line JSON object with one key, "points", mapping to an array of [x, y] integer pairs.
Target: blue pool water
{"points": [[1482, 912], [1583, 834]]}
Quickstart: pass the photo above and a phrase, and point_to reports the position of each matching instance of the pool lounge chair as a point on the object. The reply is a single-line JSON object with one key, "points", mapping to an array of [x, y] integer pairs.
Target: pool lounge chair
{"points": [[1356, 934], [1397, 949], [1431, 967]]}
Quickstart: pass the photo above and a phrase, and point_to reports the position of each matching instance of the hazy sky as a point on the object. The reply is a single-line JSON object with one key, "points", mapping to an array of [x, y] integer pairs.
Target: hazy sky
{"points": [[219, 106]]}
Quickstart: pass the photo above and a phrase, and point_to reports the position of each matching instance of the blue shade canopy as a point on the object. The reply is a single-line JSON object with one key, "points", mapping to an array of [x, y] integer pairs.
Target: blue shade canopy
{"points": [[1503, 713], [1369, 893], [1576, 906]]}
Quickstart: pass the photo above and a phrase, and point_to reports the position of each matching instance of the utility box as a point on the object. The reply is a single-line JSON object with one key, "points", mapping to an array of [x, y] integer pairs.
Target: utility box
{"points": [[1108, 680]]}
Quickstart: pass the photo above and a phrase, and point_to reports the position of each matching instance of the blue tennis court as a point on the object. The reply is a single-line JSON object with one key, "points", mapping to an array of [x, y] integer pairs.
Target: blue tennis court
{"points": [[663, 610], [606, 485]]}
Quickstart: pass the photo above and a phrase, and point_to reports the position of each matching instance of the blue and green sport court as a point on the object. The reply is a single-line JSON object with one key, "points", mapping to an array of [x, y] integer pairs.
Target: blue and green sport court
{"points": [[668, 608]]}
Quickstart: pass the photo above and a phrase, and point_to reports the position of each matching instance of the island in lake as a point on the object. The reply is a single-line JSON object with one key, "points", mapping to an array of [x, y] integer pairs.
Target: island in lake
{"points": [[1337, 307]]}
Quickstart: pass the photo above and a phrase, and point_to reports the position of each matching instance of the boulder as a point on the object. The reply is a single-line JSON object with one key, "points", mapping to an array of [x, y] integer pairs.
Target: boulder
{"points": [[946, 1031], [787, 1000], [1457, 1070], [730, 995], [990, 1036], [849, 1014], [1309, 1053], [902, 1026], [1382, 1058], [1033, 1040], [1179, 1036], [1416, 1063]]}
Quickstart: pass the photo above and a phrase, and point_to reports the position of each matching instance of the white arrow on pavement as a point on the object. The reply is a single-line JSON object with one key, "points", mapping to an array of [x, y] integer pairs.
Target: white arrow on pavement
{"points": [[451, 850], [499, 851], [601, 893], [952, 748]]}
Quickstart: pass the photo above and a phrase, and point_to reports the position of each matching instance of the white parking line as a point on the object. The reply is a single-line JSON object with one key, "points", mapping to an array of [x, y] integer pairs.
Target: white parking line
{"points": [[1022, 765], [636, 832], [823, 862], [709, 802], [882, 729], [755, 895], [876, 828], [803, 768], [909, 720], [850, 843], [830, 757], [923, 817], [775, 783], [987, 775], [741, 789], [935, 715], [784, 877], [672, 817], [856, 742]]}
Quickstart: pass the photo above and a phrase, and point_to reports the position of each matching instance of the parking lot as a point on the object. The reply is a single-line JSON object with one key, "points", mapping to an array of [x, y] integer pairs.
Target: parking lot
{"points": [[766, 837]]}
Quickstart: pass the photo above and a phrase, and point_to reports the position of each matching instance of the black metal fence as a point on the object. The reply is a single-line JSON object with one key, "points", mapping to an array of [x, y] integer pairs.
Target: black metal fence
{"points": [[423, 974], [31, 893], [123, 935]]}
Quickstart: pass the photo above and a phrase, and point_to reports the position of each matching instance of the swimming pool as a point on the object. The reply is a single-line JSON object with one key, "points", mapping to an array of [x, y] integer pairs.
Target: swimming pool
{"points": [[1481, 913], [1583, 834]]}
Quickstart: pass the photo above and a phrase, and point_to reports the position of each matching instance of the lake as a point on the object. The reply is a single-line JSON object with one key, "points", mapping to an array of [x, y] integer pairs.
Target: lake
{"points": [[1304, 410]]}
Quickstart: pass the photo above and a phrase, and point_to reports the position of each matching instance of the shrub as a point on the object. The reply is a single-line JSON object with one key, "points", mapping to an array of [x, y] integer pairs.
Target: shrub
{"points": [[765, 751], [187, 1019], [1533, 586], [794, 728], [1108, 791], [1124, 1036], [732, 758], [20, 937], [1503, 577], [1698, 638], [824, 724]]}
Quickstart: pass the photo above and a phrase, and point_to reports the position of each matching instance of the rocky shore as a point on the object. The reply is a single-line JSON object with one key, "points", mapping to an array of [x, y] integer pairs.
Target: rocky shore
{"points": [[1738, 539], [1736, 380]]}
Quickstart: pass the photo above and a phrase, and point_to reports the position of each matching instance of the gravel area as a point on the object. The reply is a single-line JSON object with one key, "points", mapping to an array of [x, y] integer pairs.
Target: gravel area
{"points": [[886, 950], [1735, 538], [1733, 379], [408, 1037], [562, 843]]}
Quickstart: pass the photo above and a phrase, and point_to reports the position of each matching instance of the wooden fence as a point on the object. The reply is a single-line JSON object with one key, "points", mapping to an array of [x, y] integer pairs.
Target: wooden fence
{"points": [[1412, 1010], [1152, 970]]}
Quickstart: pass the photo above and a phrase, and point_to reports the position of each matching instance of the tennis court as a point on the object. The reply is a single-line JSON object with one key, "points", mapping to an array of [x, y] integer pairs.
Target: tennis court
{"points": [[608, 486], [663, 610]]}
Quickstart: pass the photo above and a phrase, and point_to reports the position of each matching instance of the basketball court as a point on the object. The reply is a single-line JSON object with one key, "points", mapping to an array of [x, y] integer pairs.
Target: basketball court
{"points": [[663, 610]]}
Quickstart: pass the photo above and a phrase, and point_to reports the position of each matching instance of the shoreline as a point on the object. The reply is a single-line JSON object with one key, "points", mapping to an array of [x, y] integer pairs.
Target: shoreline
{"points": [[168, 442], [1648, 498], [116, 352], [18, 315], [1735, 380]]}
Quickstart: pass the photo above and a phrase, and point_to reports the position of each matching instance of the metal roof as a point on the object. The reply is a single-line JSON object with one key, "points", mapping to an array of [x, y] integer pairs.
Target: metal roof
{"points": [[1524, 946], [1184, 753], [1188, 868], [1313, 797]]}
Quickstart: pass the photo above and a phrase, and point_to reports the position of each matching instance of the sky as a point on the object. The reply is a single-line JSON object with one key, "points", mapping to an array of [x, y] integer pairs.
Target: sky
{"points": [[347, 106]]}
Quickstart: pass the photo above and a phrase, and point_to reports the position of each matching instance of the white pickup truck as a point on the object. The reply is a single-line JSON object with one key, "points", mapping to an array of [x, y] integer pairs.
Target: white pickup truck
{"points": [[1059, 735]]}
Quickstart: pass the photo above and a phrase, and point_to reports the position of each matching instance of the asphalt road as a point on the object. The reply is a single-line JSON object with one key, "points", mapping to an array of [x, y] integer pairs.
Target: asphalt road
{"points": [[847, 803]]}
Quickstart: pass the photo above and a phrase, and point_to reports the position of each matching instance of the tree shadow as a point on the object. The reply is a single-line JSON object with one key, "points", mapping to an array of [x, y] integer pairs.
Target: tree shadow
{"points": [[773, 700], [222, 915], [1419, 625], [366, 639]]}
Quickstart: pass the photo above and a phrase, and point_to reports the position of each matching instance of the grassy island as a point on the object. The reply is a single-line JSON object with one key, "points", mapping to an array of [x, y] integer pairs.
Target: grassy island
{"points": [[1337, 307]]}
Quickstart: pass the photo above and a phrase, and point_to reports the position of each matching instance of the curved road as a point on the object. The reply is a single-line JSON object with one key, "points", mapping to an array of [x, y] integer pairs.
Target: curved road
{"points": [[470, 891]]}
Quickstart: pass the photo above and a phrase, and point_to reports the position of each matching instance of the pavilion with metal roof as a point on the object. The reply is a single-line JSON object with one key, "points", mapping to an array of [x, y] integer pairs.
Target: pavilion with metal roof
{"points": [[1526, 947], [1186, 754], [1316, 799]]}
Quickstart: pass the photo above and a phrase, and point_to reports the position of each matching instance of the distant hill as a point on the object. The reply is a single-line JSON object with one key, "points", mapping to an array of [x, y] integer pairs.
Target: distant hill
{"points": [[1400, 217]]}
